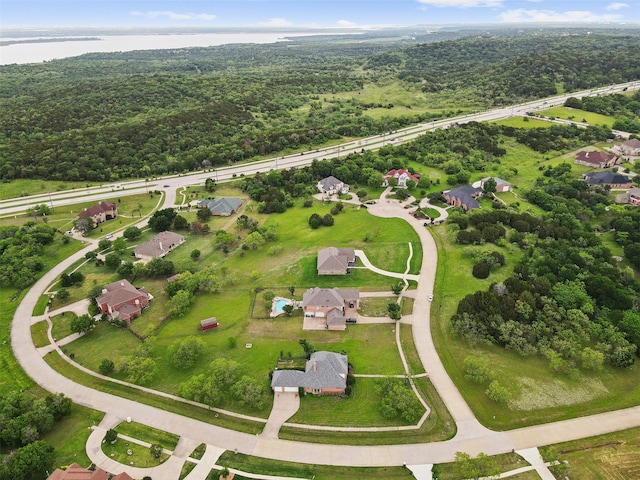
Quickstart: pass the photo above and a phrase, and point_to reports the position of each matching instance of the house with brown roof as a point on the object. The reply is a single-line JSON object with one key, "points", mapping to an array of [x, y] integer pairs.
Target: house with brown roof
{"points": [[325, 374], [631, 196], [629, 147], [607, 178], [76, 472], [122, 301], [101, 212], [334, 305], [596, 159], [402, 176], [463, 196], [159, 245], [335, 261]]}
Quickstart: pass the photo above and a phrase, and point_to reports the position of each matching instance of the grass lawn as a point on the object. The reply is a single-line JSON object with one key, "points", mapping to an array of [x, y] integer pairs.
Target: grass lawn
{"points": [[611, 456], [69, 436], [148, 434], [129, 453], [57, 363], [524, 122], [539, 396], [361, 409], [375, 306], [39, 334], [41, 306], [265, 466], [62, 325], [438, 426], [578, 115], [409, 350], [24, 187], [505, 463]]}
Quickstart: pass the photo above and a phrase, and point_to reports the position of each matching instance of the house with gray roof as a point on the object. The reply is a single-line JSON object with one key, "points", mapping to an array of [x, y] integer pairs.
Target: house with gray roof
{"points": [[221, 207], [629, 147], [331, 185], [607, 179], [159, 245], [463, 196], [335, 261], [334, 305], [501, 185], [325, 374]]}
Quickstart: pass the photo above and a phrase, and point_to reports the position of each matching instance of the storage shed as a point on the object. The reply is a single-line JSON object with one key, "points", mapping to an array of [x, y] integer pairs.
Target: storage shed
{"points": [[208, 323]]}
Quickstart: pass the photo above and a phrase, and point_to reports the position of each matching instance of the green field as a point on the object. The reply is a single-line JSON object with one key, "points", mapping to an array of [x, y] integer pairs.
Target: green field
{"points": [[611, 456], [578, 115]]}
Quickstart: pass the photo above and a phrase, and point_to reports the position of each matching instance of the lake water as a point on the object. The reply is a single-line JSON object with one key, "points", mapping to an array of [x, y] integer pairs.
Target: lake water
{"points": [[39, 52]]}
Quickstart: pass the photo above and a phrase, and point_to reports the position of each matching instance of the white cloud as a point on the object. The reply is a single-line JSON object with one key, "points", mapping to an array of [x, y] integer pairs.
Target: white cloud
{"points": [[462, 3], [277, 22], [174, 15], [616, 6], [346, 23], [551, 16]]}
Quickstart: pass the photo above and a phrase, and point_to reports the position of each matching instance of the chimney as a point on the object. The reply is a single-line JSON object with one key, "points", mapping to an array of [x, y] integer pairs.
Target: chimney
{"points": [[314, 367], [122, 284], [160, 244]]}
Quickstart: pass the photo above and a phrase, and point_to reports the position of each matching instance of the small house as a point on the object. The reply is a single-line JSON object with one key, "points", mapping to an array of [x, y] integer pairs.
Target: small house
{"points": [[159, 245], [208, 324], [501, 185], [629, 147], [596, 159], [463, 196], [335, 261], [325, 374]]}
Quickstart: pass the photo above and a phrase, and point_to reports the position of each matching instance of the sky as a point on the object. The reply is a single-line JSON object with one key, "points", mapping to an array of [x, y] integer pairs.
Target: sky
{"points": [[304, 13]]}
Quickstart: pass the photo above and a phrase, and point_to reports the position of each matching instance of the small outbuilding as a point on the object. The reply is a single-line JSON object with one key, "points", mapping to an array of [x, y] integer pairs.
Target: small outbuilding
{"points": [[208, 323]]}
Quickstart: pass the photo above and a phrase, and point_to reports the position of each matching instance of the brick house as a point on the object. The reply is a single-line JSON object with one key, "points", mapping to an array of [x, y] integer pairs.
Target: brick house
{"points": [[101, 212], [607, 178], [332, 304], [122, 301], [596, 159], [402, 175], [325, 374], [159, 245], [463, 196]]}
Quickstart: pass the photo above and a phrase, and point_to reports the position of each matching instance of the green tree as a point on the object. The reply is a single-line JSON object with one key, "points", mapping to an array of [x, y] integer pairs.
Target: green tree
{"points": [[288, 309], [489, 186], [468, 467], [203, 215], [84, 225], [106, 366], [254, 240], [180, 303], [112, 261], [397, 287], [62, 295], [155, 450], [394, 311], [180, 223], [498, 393], [140, 370], [82, 324], [184, 353], [195, 254], [477, 369], [119, 245], [210, 185], [132, 233], [111, 436], [31, 462], [307, 347], [249, 391]]}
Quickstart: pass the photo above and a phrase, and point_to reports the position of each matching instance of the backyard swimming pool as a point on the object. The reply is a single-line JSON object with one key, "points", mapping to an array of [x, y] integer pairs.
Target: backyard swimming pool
{"points": [[278, 304]]}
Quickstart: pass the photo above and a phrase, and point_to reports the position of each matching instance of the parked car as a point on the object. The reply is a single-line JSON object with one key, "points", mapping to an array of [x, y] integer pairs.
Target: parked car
{"points": [[109, 236], [351, 320]]}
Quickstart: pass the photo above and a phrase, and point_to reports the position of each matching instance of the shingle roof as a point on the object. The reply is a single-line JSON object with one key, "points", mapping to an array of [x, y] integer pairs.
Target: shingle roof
{"points": [[332, 259], [606, 178], [159, 245], [330, 182], [328, 297], [76, 472], [102, 207], [119, 292], [465, 194], [594, 158], [330, 372], [222, 205], [633, 143]]}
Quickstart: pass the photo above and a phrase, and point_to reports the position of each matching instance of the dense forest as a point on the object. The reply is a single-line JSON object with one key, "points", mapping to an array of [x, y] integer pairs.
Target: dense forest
{"points": [[567, 298], [104, 117]]}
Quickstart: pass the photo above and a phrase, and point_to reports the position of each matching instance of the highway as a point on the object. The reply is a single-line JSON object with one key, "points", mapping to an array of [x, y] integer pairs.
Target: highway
{"points": [[19, 205]]}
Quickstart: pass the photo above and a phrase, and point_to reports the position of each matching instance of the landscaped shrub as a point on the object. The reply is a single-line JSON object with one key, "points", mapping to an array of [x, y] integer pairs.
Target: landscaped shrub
{"points": [[106, 366], [481, 270], [477, 370]]}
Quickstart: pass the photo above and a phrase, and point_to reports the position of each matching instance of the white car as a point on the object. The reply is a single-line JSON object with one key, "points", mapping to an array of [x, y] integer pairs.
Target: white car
{"points": [[431, 298], [108, 236]]}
